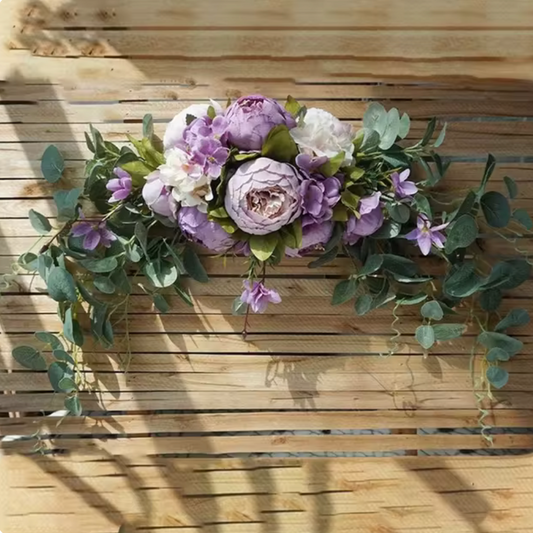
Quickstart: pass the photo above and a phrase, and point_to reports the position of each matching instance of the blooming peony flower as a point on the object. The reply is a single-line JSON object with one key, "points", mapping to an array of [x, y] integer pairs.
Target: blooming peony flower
{"points": [[314, 237], [263, 195], [158, 196], [257, 296], [402, 187], [324, 135], [425, 235], [190, 186], [120, 186], [368, 223], [251, 118], [95, 233], [174, 132], [196, 226], [318, 199]]}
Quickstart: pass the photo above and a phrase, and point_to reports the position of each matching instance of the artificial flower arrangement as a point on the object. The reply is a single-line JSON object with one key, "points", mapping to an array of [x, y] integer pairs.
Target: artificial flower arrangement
{"points": [[264, 181]]}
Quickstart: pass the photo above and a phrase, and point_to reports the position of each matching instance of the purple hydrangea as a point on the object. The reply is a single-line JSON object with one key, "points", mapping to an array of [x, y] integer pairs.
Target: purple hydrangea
{"points": [[251, 118], [319, 196], [402, 187], [120, 186], [370, 220], [425, 235], [158, 196], [95, 233], [257, 296], [314, 237], [197, 227]]}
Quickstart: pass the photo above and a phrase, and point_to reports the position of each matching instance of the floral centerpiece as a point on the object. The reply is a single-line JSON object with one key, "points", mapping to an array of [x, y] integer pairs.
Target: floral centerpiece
{"points": [[265, 182]]}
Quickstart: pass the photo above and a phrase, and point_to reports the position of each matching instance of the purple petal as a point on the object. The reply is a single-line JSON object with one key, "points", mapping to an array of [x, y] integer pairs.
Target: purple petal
{"points": [[413, 235], [424, 242], [408, 188], [107, 234], [119, 195], [422, 222], [114, 185], [438, 239], [404, 175], [121, 173], [92, 240], [82, 228], [369, 203], [442, 226], [274, 296]]}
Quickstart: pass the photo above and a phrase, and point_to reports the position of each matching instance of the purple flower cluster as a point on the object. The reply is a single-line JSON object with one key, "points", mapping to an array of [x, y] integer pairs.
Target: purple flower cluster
{"points": [[95, 233], [257, 296]]}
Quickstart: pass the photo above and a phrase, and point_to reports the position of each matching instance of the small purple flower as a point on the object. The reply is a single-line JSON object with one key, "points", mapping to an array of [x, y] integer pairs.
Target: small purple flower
{"points": [[210, 155], [120, 186], [258, 296], [402, 187], [425, 235], [318, 199], [95, 233], [368, 223], [309, 163]]}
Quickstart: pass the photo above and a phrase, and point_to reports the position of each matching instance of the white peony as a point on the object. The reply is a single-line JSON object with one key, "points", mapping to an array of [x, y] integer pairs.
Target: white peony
{"points": [[190, 186], [174, 131], [325, 135]]}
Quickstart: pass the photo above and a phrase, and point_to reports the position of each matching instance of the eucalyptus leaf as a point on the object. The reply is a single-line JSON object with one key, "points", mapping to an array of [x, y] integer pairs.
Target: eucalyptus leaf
{"points": [[49, 338], [462, 281], [364, 304], [399, 212], [372, 264], [397, 264], [496, 209], [44, 265], [512, 187], [498, 377], [100, 266], [432, 310], [29, 357], [405, 126], [462, 234], [61, 286], [121, 281], [104, 284], [392, 130], [194, 266], [489, 169], [412, 300], [497, 354], [523, 218], [52, 164], [141, 234], [490, 300], [440, 138], [183, 294], [73, 405], [39, 222], [425, 335], [491, 339], [67, 385], [325, 258], [58, 371], [344, 291], [161, 303], [388, 230], [370, 141], [67, 203], [376, 118], [61, 355], [515, 318], [239, 308], [72, 329], [161, 273], [148, 126], [446, 332]]}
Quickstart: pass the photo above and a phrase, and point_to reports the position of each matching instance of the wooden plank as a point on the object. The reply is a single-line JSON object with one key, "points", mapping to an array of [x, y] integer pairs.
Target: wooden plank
{"points": [[369, 14]]}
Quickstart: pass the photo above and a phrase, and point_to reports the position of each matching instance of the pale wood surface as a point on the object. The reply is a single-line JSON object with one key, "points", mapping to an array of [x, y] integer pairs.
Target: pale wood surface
{"points": [[309, 372]]}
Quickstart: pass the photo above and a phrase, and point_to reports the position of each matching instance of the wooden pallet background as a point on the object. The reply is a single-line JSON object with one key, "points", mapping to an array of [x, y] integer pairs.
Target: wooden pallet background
{"points": [[173, 445]]}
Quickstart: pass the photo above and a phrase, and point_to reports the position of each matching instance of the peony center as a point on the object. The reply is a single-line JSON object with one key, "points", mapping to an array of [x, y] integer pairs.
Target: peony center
{"points": [[269, 203]]}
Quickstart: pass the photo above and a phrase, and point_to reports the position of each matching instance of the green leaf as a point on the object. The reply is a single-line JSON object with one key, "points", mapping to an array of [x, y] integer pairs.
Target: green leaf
{"points": [[388, 138], [71, 329], [425, 335], [52, 164], [263, 246], [148, 126], [350, 200], [364, 304], [491, 339], [462, 234], [138, 172], [89, 142], [332, 165], [58, 371], [29, 357], [389, 230], [39, 222], [61, 355], [49, 338], [29, 261], [498, 377], [100, 266], [141, 234], [372, 264], [466, 206], [239, 308], [446, 332], [440, 139], [508, 274], [512, 187], [428, 134], [61, 286], [134, 253], [121, 281], [462, 280], [177, 259], [523, 218], [161, 303], [489, 169], [397, 264], [497, 354], [183, 294], [399, 212], [189, 119], [405, 126], [279, 145], [496, 209], [412, 300], [325, 258], [104, 284], [490, 300], [160, 273], [67, 203], [44, 265], [423, 206], [344, 291], [432, 310], [370, 141], [73, 405], [193, 266], [376, 118], [515, 318], [67, 385], [292, 106]]}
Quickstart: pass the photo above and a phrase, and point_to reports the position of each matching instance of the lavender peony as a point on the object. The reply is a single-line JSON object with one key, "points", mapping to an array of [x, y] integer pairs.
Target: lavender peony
{"points": [[263, 195], [158, 196], [319, 196], [196, 226], [251, 118], [314, 237], [370, 221]]}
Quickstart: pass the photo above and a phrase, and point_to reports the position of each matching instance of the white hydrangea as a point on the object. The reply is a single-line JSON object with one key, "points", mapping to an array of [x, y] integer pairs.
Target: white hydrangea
{"points": [[176, 127], [325, 135], [190, 186]]}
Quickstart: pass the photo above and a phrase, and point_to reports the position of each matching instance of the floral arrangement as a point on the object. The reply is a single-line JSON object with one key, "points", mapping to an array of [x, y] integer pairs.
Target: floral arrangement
{"points": [[263, 181]]}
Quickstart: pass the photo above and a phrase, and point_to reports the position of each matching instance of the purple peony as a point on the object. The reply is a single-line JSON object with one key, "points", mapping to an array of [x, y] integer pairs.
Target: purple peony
{"points": [[158, 196], [94, 233], [403, 188], [257, 296], [196, 226], [370, 221], [319, 196], [120, 186], [251, 118], [314, 237], [263, 195]]}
